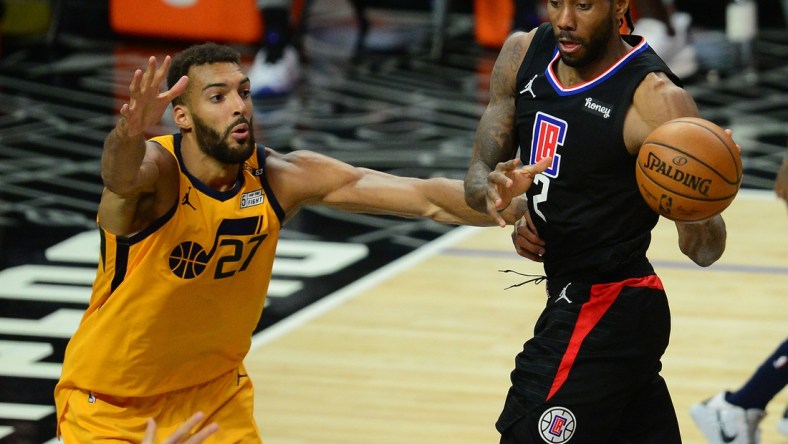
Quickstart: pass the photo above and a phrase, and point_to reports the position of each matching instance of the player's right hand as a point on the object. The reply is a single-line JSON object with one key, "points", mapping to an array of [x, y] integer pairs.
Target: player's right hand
{"points": [[526, 240], [146, 104]]}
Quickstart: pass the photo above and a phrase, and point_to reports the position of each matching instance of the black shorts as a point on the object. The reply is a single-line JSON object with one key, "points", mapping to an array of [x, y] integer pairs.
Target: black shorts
{"points": [[591, 372]]}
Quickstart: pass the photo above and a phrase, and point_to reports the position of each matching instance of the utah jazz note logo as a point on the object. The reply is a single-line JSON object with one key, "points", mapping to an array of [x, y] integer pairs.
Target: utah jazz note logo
{"points": [[239, 240], [548, 134]]}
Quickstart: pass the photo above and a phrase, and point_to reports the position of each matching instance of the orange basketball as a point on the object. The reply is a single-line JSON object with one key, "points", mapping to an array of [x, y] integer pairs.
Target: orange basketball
{"points": [[688, 169]]}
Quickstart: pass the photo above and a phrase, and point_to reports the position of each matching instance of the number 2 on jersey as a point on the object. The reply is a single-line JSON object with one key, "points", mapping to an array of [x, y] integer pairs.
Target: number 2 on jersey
{"points": [[549, 132]]}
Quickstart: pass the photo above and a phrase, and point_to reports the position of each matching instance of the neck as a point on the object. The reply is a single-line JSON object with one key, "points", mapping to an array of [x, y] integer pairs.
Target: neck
{"points": [[217, 175], [570, 76]]}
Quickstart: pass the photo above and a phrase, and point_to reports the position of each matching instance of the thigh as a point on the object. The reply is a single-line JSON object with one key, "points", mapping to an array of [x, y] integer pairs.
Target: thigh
{"points": [[650, 418], [87, 418], [230, 404], [227, 400], [580, 388]]}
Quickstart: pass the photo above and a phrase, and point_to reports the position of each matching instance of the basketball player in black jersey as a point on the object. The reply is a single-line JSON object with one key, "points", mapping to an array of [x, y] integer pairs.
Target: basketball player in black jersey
{"points": [[578, 91]]}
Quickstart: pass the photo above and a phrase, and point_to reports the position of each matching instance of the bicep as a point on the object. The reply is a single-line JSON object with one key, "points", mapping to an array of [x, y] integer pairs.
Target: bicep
{"points": [[496, 138], [656, 101], [308, 178], [153, 195]]}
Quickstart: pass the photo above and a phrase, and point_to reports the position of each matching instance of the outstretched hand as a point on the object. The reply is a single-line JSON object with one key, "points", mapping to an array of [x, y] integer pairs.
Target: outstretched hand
{"points": [[508, 181], [181, 436], [146, 104]]}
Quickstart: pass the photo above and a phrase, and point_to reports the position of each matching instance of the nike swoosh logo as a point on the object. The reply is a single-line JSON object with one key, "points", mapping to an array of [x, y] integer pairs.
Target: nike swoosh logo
{"points": [[724, 436]]}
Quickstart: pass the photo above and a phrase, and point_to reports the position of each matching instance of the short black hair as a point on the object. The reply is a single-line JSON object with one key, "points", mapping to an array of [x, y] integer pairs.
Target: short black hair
{"points": [[196, 55]]}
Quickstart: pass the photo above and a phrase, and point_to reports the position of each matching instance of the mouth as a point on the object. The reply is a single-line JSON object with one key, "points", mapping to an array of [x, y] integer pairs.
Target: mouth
{"points": [[240, 132], [568, 46]]}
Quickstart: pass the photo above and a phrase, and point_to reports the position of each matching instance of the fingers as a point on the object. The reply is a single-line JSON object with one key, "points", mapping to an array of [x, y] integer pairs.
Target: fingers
{"points": [[494, 211], [185, 428], [177, 89], [136, 82], [151, 79], [150, 432], [148, 77], [206, 431], [526, 240], [538, 167], [527, 245], [729, 132]]}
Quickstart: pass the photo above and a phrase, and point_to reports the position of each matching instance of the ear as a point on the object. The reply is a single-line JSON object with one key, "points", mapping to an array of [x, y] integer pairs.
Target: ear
{"points": [[621, 7], [181, 116]]}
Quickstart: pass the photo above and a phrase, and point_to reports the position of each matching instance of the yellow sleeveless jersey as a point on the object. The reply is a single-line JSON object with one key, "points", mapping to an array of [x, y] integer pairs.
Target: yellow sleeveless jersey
{"points": [[175, 305]]}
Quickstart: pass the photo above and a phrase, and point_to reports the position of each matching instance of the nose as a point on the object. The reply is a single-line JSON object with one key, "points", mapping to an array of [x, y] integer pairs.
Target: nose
{"points": [[240, 104], [565, 17]]}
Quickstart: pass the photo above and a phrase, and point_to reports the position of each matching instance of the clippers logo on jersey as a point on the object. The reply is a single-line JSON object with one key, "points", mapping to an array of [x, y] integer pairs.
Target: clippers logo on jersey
{"points": [[549, 133], [252, 198], [557, 425], [238, 240]]}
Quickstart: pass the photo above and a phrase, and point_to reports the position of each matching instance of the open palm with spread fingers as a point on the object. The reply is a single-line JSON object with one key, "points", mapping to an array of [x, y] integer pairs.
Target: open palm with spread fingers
{"points": [[146, 103]]}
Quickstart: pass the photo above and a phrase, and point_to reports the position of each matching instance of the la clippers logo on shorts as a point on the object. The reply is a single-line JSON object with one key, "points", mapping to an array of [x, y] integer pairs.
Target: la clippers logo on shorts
{"points": [[549, 133], [557, 425]]}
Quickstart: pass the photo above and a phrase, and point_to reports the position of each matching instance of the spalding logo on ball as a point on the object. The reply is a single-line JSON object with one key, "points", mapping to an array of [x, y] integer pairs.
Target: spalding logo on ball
{"points": [[688, 169]]}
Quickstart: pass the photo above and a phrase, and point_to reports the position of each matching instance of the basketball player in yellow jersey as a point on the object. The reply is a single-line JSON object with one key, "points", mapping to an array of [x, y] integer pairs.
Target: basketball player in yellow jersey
{"points": [[189, 225]]}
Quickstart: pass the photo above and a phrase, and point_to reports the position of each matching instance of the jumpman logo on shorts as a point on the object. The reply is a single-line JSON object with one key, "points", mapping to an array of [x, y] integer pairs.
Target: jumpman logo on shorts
{"points": [[185, 200], [563, 295]]}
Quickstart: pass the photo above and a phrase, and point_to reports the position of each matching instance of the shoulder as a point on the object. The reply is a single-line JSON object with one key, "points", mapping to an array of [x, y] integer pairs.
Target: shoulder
{"points": [[302, 177], [294, 161], [656, 100], [514, 49], [504, 75]]}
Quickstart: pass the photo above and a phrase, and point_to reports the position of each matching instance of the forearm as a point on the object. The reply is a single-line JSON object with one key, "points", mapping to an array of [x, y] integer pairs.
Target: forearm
{"points": [[121, 159], [475, 186], [703, 242]]}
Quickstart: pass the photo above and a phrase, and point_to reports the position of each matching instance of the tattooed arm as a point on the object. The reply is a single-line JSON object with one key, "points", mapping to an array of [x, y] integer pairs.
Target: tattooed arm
{"points": [[496, 137]]}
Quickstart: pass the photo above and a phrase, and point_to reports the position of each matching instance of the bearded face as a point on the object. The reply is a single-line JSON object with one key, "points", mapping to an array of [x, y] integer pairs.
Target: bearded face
{"points": [[222, 146], [595, 45]]}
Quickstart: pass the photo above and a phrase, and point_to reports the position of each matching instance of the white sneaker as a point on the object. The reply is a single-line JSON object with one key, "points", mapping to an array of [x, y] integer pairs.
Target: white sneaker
{"points": [[675, 50], [782, 424], [724, 423], [274, 79]]}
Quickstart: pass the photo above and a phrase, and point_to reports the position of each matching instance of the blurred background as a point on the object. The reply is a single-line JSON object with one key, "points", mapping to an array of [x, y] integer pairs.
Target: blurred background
{"points": [[394, 85]]}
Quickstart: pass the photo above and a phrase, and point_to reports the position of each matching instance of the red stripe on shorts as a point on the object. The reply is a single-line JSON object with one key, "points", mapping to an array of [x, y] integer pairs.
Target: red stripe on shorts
{"points": [[601, 298]]}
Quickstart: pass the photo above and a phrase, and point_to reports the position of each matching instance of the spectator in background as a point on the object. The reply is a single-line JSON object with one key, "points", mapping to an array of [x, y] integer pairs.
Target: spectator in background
{"points": [[665, 29], [276, 67]]}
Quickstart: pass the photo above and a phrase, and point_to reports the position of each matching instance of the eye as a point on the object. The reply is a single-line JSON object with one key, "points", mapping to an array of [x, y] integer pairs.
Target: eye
{"points": [[216, 98], [246, 93], [583, 6]]}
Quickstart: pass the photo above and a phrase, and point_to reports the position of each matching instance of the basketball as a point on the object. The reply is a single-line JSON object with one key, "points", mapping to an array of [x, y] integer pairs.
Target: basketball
{"points": [[688, 169]]}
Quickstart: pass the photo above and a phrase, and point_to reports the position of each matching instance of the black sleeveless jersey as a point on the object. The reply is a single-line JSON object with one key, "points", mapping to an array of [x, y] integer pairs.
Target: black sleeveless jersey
{"points": [[586, 206]]}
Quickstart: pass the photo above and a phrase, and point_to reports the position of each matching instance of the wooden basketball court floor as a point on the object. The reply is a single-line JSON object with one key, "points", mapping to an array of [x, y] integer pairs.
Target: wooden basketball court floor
{"points": [[420, 351]]}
